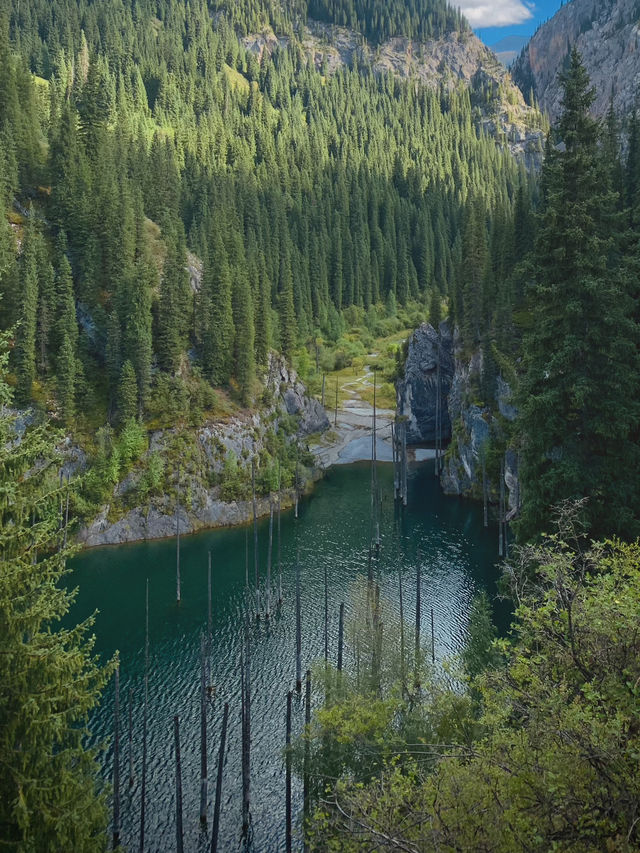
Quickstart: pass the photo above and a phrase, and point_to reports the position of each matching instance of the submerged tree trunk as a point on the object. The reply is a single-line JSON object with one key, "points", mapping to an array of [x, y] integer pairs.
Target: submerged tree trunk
{"points": [[218, 800], [326, 614], [298, 631], [204, 784], [418, 615], [179, 832], [288, 777], [116, 762], [268, 603], [307, 760], [143, 790], [130, 737], [246, 741], [178, 590], [501, 512], [340, 636], [255, 525]]}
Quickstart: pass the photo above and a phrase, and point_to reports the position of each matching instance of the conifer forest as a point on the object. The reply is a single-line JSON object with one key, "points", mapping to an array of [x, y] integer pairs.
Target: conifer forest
{"points": [[318, 273]]}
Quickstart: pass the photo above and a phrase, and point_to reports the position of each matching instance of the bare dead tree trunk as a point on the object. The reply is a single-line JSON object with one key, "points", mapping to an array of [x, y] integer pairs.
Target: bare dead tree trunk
{"points": [[268, 611], [374, 479], [218, 800], [501, 512], [204, 784], [297, 484], [404, 464], [178, 539], [438, 430], [288, 776], [326, 614], [307, 759], [298, 631], [209, 610], [246, 752], [246, 558], [66, 517], [255, 524], [324, 376], [279, 551], [143, 791], [340, 636], [209, 622], [485, 496], [402, 650], [418, 615], [179, 832], [335, 421], [116, 762], [433, 639], [130, 737], [393, 457]]}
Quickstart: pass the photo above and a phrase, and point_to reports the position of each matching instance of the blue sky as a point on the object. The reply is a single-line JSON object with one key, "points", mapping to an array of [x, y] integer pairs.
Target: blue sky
{"points": [[494, 19]]}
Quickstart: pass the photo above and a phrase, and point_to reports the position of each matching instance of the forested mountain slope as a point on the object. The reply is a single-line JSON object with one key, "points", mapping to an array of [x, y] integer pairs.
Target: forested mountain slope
{"points": [[134, 130], [606, 34]]}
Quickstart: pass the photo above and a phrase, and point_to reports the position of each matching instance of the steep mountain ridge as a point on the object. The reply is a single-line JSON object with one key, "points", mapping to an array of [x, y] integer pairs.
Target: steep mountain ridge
{"points": [[606, 33], [448, 60]]}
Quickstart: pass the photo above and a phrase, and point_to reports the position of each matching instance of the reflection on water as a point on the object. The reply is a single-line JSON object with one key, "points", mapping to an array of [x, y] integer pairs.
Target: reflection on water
{"points": [[457, 557]]}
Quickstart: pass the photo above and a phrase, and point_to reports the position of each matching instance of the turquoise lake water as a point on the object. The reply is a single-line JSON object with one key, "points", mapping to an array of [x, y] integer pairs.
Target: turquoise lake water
{"points": [[457, 556]]}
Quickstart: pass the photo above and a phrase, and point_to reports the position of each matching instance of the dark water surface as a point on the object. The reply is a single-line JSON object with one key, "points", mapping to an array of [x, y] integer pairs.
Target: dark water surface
{"points": [[457, 557]]}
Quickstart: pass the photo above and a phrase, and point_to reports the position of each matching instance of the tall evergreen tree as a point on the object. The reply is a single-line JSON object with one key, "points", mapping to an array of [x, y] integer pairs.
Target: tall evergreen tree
{"points": [[219, 331], [66, 375], [50, 797], [579, 393], [25, 349]]}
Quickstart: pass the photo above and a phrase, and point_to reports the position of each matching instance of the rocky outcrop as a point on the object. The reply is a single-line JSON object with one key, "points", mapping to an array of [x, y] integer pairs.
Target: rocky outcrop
{"points": [[607, 33], [210, 446], [476, 433], [158, 521], [417, 390]]}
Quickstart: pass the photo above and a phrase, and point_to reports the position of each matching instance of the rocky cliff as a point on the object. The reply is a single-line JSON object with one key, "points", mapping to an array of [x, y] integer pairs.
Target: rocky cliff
{"points": [[606, 33], [478, 433], [416, 390], [202, 455]]}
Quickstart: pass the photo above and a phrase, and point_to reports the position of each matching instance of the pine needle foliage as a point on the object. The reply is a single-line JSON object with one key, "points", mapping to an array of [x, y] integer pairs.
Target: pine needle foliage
{"points": [[50, 798]]}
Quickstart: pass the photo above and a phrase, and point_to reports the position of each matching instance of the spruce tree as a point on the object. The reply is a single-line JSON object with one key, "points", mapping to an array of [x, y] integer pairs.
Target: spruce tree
{"points": [[245, 362], [128, 393], [50, 790], [579, 393], [25, 349], [219, 331], [66, 376]]}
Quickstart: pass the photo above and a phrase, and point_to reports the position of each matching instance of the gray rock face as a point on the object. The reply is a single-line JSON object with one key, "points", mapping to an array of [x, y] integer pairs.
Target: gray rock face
{"points": [[242, 435], [462, 469], [606, 33], [474, 427], [416, 392], [160, 522], [503, 398], [312, 416]]}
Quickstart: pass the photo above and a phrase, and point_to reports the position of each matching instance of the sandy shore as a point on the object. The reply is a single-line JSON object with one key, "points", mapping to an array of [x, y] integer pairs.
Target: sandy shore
{"points": [[349, 439]]}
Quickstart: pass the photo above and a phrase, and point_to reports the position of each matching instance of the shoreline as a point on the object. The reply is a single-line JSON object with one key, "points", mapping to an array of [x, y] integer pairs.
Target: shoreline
{"points": [[348, 440]]}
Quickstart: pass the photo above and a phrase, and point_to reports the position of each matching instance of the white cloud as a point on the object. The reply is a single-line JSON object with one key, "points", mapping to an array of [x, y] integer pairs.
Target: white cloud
{"points": [[495, 13]]}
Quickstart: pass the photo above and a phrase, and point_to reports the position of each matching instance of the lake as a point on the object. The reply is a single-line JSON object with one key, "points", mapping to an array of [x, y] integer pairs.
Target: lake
{"points": [[458, 558]]}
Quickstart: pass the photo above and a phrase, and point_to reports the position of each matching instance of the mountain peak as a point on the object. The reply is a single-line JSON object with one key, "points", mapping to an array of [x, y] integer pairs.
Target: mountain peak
{"points": [[606, 33]]}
